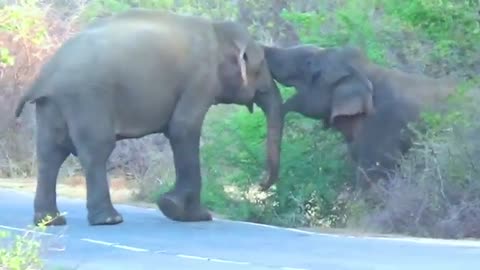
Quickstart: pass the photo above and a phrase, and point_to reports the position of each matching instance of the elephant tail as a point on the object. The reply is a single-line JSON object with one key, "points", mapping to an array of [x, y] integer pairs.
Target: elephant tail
{"points": [[31, 96], [21, 104]]}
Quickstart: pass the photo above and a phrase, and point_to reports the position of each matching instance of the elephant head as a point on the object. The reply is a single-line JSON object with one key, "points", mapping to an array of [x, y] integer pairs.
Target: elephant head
{"points": [[244, 78], [330, 84]]}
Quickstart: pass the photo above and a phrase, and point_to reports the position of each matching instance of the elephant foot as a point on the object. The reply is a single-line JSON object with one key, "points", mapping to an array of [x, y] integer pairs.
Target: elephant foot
{"points": [[105, 217], [49, 219], [266, 184], [176, 207]]}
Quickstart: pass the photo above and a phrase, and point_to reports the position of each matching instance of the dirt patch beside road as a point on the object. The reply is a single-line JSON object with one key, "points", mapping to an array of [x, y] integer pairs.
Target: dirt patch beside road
{"points": [[121, 191]]}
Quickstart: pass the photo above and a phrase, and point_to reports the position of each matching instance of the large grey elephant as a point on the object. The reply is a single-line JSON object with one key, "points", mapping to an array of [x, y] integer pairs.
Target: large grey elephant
{"points": [[369, 104], [137, 73]]}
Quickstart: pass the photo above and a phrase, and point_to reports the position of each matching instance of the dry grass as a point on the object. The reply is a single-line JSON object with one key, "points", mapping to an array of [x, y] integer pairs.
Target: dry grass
{"points": [[121, 190], [435, 192], [30, 39]]}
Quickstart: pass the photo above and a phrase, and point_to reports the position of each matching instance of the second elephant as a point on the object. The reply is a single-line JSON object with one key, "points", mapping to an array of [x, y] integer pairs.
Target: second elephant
{"points": [[369, 104]]}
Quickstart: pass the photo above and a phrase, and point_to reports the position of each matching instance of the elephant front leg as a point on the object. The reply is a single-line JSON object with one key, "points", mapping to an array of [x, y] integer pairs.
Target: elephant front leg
{"points": [[183, 203], [99, 204]]}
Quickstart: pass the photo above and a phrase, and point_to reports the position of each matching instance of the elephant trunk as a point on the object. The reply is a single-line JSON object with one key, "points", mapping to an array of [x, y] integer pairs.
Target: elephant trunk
{"points": [[270, 102]]}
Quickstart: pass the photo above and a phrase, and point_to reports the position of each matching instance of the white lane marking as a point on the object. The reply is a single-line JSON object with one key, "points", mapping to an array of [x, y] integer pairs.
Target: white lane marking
{"points": [[116, 245], [430, 241], [309, 233], [57, 248], [416, 240], [97, 242], [192, 257], [211, 259], [131, 248], [23, 230], [228, 261]]}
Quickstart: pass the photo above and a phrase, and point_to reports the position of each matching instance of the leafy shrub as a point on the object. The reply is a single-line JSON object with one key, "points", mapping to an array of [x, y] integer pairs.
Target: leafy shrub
{"points": [[351, 22], [22, 252], [211, 8], [452, 27]]}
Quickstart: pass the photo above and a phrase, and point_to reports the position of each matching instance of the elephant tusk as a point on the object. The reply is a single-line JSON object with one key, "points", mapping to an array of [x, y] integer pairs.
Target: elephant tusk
{"points": [[241, 62], [243, 69]]}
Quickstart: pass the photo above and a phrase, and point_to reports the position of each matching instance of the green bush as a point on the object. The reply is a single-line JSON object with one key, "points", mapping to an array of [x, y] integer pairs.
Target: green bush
{"points": [[351, 23], [6, 58], [211, 8], [23, 251], [452, 27]]}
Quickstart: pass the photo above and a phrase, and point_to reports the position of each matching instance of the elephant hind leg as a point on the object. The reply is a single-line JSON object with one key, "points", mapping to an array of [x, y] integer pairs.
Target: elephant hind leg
{"points": [[52, 148], [93, 135]]}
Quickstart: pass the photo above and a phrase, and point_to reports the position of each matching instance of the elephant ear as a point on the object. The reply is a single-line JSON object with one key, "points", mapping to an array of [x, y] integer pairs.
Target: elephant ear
{"points": [[352, 94]]}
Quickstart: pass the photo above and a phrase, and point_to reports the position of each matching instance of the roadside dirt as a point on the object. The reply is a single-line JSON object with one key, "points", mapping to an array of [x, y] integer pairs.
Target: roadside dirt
{"points": [[121, 190]]}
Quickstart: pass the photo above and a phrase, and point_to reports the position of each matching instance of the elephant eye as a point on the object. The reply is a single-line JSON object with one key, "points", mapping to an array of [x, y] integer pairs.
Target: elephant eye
{"points": [[316, 75], [312, 69]]}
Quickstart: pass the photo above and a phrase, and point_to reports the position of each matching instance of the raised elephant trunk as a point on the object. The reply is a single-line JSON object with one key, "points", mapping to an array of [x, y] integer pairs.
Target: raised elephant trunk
{"points": [[270, 102]]}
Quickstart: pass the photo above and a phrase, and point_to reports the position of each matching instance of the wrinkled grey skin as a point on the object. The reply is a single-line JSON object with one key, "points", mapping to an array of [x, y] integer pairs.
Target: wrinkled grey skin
{"points": [[138, 73], [370, 105]]}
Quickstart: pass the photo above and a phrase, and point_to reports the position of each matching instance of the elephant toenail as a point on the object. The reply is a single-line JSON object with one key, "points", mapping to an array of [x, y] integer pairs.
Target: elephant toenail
{"points": [[109, 219]]}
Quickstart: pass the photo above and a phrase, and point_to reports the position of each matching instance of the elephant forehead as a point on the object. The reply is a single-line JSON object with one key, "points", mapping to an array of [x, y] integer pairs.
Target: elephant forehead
{"points": [[255, 55]]}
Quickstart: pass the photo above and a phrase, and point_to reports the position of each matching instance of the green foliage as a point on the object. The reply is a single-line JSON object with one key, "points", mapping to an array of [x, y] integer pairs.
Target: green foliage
{"points": [[459, 114], [210, 8], [352, 22], [453, 26], [6, 58], [23, 20], [23, 252], [440, 19]]}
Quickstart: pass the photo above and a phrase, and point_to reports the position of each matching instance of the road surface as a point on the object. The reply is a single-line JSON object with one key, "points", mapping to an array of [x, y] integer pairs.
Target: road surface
{"points": [[147, 240]]}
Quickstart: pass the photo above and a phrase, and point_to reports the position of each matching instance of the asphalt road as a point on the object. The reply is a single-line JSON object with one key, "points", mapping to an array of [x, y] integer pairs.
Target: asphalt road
{"points": [[147, 240]]}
